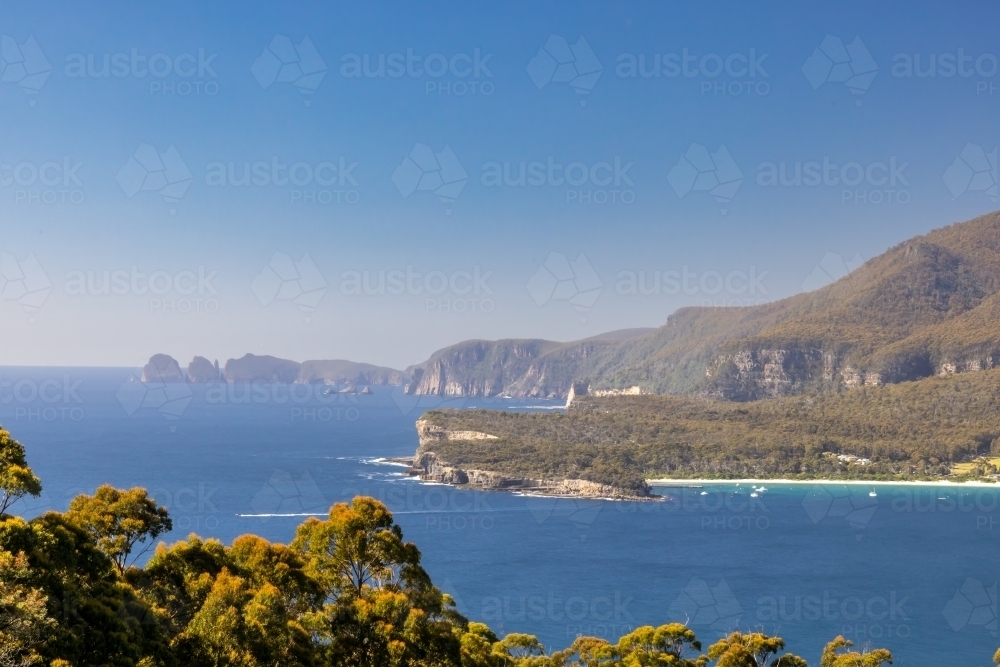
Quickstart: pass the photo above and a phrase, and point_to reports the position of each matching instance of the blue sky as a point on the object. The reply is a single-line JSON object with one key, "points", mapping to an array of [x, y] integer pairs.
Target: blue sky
{"points": [[691, 199]]}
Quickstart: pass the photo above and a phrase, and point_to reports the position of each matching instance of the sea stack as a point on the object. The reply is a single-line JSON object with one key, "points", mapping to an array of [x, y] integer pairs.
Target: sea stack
{"points": [[162, 368], [202, 370]]}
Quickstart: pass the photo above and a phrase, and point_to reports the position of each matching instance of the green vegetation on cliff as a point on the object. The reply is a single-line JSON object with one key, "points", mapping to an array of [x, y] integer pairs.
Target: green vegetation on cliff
{"points": [[908, 431]]}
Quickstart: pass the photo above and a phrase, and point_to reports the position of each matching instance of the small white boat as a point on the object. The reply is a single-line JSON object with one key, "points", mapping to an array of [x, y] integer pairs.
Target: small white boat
{"points": [[873, 494], [754, 495], [704, 493]]}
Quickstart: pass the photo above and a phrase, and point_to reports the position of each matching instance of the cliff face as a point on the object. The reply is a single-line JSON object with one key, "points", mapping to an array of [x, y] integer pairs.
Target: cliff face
{"points": [[429, 433], [748, 375], [516, 368], [484, 368], [429, 467]]}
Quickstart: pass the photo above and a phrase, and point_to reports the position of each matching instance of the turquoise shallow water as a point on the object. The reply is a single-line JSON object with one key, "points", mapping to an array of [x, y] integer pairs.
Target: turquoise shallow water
{"points": [[913, 568]]}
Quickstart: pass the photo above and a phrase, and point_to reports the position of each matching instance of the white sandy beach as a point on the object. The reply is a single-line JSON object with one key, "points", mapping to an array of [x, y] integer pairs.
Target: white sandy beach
{"points": [[701, 482]]}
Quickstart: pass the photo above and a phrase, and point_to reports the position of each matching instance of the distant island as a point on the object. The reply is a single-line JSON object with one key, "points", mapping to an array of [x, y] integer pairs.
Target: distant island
{"points": [[263, 368]]}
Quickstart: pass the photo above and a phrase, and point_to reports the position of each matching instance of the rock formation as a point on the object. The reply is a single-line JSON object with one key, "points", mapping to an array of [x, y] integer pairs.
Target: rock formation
{"points": [[202, 370], [162, 368]]}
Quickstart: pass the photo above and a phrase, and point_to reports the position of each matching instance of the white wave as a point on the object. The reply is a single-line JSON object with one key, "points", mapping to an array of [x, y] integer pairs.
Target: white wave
{"points": [[280, 515]]}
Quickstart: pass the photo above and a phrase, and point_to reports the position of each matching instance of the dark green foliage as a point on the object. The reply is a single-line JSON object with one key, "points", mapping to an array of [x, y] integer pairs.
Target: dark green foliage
{"points": [[99, 619], [16, 478], [911, 430]]}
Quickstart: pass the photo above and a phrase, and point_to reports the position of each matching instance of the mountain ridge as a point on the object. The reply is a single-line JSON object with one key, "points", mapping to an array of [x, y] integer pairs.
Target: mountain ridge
{"points": [[927, 306]]}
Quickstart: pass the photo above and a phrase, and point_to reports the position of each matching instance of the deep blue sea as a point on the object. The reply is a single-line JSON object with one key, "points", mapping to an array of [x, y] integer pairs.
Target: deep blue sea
{"points": [[914, 569]]}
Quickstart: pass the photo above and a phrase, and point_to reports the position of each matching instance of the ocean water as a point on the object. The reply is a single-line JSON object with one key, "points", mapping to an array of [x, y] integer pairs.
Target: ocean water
{"points": [[914, 569]]}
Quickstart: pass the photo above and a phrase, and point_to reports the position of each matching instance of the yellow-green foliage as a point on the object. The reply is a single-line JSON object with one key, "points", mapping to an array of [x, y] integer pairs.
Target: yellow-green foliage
{"points": [[347, 592]]}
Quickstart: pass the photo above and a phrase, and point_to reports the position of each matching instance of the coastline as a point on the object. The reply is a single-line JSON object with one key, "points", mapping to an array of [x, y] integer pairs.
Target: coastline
{"points": [[429, 470], [426, 466], [674, 483], [546, 490]]}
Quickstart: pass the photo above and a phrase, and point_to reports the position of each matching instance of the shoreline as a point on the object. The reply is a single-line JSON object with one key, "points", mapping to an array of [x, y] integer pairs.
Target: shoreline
{"points": [[673, 483]]}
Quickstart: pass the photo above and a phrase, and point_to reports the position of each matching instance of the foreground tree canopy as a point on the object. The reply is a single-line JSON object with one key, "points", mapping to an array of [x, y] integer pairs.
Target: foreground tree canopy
{"points": [[348, 591]]}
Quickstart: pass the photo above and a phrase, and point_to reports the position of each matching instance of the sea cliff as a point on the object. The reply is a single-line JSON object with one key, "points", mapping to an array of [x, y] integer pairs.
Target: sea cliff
{"points": [[428, 466]]}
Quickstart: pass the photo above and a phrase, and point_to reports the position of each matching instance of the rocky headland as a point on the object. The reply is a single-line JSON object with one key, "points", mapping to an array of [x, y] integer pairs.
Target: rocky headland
{"points": [[428, 466]]}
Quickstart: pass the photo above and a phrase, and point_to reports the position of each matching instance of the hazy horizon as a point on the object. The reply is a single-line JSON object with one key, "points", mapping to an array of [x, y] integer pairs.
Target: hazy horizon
{"points": [[376, 183]]}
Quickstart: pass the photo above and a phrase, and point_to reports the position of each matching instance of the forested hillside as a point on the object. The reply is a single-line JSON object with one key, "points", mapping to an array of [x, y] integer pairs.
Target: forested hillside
{"points": [[927, 306], [913, 430]]}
